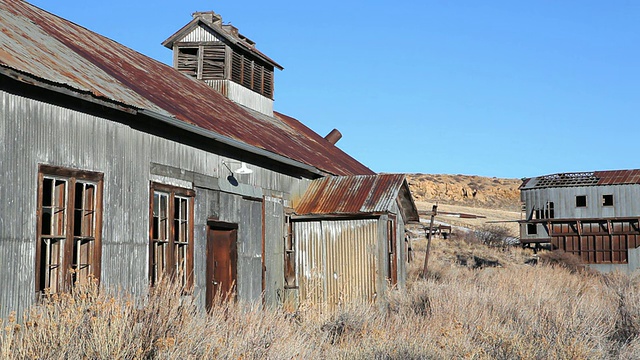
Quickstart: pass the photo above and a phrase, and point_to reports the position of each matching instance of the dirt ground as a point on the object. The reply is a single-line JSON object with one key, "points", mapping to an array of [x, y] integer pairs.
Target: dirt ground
{"points": [[506, 218]]}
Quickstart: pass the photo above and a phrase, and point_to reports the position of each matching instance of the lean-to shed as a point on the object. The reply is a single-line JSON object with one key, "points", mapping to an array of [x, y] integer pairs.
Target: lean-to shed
{"points": [[347, 238], [120, 168]]}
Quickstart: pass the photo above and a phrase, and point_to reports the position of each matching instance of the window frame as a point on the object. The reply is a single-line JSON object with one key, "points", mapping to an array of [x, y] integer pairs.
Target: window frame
{"points": [[578, 203], [66, 278], [170, 268], [606, 197]]}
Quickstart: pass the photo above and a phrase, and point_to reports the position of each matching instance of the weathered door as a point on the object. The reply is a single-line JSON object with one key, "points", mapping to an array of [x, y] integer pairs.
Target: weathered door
{"points": [[222, 255]]}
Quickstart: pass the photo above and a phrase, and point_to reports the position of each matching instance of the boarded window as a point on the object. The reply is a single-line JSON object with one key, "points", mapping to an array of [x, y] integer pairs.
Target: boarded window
{"points": [[69, 216], [581, 201], [188, 61], [171, 234]]}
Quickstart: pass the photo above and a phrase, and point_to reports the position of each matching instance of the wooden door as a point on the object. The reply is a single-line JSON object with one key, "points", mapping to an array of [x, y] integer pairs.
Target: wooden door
{"points": [[222, 258]]}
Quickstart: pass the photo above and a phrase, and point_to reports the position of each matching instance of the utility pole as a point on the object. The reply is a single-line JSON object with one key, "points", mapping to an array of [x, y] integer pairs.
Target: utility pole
{"points": [[434, 212]]}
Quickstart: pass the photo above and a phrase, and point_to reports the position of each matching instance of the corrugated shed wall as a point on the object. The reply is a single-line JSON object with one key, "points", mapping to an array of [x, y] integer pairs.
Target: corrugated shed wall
{"points": [[337, 260], [33, 132]]}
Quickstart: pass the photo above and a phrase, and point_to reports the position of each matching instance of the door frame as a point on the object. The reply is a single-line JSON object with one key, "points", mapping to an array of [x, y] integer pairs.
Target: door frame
{"points": [[213, 225]]}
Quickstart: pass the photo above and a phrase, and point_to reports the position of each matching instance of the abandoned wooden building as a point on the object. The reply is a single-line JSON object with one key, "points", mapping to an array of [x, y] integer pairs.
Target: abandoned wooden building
{"points": [[119, 168], [594, 215]]}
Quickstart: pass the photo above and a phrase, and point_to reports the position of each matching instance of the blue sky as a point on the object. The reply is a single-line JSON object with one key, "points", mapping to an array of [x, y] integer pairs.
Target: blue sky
{"points": [[492, 88]]}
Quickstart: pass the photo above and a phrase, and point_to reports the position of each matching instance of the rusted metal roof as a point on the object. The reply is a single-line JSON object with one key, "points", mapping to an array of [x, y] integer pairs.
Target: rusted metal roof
{"points": [[593, 178], [352, 195], [46, 47]]}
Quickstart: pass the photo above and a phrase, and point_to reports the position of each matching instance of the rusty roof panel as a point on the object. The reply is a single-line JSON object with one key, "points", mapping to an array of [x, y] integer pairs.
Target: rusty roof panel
{"points": [[364, 194], [593, 178], [45, 46]]}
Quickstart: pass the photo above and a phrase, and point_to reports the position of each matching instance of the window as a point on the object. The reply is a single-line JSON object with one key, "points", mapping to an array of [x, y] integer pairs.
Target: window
{"points": [[69, 220], [204, 62], [290, 279], [607, 200], [532, 229], [392, 276], [581, 201], [549, 210], [171, 234]]}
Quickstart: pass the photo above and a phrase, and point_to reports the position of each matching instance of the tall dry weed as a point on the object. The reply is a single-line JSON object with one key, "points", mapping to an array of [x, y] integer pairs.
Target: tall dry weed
{"points": [[514, 312]]}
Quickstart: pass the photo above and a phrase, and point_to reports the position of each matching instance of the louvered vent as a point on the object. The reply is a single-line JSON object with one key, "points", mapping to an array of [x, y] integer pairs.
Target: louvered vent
{"points": [[213, 62]]}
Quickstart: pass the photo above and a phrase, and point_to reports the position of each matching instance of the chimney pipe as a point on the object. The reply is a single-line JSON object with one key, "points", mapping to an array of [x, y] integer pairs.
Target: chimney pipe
{"points": [[333, 136]]}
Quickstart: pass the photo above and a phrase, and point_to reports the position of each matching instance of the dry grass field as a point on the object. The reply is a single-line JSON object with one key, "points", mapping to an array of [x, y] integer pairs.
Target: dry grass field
{"points": [[498, 309], [479, 300]]}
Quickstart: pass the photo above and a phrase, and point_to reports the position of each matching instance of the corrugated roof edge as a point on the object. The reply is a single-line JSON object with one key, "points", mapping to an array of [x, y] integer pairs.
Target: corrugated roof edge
{"points": [[604, 177]]}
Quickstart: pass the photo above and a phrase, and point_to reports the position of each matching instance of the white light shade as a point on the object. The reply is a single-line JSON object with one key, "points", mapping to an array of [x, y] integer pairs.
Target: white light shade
{"points": [[243, 169]]}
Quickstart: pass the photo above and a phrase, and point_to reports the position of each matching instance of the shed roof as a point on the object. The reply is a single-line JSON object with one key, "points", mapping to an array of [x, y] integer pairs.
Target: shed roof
{"points": [[55, 51], [354, 195], [592, 178]]}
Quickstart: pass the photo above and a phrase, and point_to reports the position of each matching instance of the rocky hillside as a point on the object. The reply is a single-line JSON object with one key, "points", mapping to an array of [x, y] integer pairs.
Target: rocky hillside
{"points": [[466, 190]]}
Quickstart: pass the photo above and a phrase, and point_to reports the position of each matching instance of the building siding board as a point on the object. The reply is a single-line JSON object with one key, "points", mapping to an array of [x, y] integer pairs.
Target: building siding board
{"points": [[274, 250]]}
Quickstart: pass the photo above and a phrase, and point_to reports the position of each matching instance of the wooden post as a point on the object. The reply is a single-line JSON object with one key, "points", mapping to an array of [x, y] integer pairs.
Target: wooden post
{"points": [[434, 211]]}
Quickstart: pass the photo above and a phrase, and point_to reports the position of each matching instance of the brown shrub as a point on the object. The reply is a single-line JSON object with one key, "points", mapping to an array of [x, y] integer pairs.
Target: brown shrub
{"points": [[566, 260]]}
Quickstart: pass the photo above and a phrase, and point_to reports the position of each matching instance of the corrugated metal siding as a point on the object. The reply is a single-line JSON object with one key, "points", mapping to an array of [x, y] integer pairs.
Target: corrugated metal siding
{"points": [[337, 261], [249, 98], [310, 261], [201, 34], [564, 199], [34, 132]]}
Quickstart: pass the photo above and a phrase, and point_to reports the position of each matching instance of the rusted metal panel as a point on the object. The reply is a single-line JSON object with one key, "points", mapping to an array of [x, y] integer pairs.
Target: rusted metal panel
{"points": [[87, 63], [337, 261], [355, 195]]}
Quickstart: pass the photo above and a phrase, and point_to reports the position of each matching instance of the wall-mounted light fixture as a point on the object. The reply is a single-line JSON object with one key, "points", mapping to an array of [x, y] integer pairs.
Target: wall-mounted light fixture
{"points": [[243, 169]]}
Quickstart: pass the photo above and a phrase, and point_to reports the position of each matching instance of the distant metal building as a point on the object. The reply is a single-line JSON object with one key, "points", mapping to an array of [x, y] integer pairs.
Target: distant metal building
{"points": [[594, 215], [118, 168]]}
